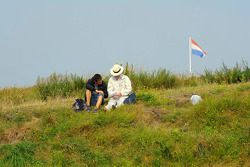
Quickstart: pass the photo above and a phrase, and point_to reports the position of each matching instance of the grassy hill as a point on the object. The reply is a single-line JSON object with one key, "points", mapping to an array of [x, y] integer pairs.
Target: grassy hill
{"points": [[162, 129]]}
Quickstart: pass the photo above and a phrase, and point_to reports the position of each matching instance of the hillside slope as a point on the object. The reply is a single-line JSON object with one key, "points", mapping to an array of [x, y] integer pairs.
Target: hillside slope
{"points": [[162, 129]]}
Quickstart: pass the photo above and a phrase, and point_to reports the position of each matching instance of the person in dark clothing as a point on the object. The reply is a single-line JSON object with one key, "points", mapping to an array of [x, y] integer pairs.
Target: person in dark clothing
{"points": [[96, 91]]}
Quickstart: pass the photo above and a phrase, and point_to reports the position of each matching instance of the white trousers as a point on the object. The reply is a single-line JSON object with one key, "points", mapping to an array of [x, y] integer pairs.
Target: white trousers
{"points": [[115, 102]]}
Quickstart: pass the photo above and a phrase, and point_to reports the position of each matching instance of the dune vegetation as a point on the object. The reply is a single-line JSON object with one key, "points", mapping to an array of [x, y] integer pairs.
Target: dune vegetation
{"points": [[39, 128]]}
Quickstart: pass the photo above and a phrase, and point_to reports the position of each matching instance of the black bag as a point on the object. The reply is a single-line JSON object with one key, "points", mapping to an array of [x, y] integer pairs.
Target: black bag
{"points": [[79, 105], [131, 99]]}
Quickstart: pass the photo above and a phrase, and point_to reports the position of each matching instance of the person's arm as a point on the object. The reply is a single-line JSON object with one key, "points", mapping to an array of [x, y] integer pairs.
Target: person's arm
{"points": [[105, 91], [111, 90], [90, 86], [128, 88]]}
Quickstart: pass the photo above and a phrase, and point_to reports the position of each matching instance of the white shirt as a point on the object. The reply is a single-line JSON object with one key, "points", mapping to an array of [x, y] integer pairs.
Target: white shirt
{"points": [[123, 85]]}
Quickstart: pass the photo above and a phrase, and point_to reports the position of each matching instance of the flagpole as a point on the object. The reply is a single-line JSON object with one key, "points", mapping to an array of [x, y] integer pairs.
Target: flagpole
{"points": [[190, 53]]}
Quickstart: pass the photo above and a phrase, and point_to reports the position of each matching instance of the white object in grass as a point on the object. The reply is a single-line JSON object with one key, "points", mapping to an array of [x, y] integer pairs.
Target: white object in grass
{"points": [[195, 99]]}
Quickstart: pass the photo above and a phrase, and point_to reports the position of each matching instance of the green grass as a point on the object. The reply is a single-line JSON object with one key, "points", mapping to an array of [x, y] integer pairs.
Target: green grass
{"points": [[58, 85], [20, 155], [162, 129], [239, 73]]}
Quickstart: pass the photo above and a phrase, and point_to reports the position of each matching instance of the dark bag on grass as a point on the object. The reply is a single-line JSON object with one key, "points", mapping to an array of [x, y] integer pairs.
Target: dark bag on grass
{"points": [[131, 99], [79, 105]]}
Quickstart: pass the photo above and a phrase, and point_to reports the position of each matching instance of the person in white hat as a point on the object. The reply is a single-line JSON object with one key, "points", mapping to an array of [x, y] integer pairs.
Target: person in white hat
{"points": [[119, 87]]}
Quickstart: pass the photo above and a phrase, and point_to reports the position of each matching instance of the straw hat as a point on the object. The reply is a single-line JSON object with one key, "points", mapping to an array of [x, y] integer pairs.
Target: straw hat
{"points": [[116, 70]]}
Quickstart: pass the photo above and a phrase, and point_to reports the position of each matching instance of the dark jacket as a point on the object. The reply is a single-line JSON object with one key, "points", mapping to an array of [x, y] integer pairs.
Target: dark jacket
{"points": [[91, 86]]}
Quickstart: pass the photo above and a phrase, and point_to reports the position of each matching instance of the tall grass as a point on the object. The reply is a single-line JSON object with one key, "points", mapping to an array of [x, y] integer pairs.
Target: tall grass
{"points": [[239, 73], [156, 79], [67, 85], [59, 85]]}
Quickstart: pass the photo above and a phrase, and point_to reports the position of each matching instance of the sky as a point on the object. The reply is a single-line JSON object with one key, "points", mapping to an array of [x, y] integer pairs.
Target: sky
{"points": [[84, 37]]}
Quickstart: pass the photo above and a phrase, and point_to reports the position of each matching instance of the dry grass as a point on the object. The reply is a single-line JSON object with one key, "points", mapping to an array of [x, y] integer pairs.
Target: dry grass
{"points": [[162, 129]]}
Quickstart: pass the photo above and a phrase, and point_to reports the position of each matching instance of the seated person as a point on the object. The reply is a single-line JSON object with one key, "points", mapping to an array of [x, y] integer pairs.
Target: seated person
{"points": [[96, 91], [119, 87]]}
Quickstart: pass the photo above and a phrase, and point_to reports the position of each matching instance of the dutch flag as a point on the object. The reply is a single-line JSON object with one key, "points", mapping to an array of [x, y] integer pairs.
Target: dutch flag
{"points": [[197, 50]]}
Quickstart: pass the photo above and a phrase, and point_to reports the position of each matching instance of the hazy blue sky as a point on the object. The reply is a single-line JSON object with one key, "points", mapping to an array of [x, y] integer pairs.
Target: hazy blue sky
{"points": [[38, 38]]}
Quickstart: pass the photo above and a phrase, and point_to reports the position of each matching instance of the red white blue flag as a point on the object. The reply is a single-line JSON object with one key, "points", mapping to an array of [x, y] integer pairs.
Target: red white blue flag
{"points": [[196, 49]]}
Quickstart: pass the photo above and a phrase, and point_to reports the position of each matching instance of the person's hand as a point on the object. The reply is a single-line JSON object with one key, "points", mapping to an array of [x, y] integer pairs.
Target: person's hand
{"points": [[99, 91], [117, 95]]}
